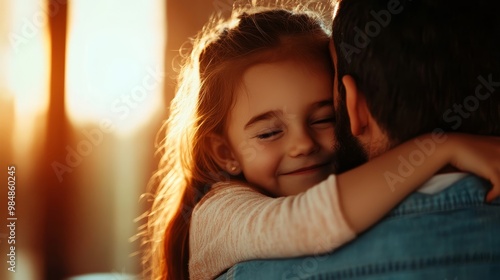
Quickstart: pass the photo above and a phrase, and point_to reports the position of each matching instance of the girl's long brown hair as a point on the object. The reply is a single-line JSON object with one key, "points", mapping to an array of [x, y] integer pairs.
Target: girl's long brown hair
{"points": [[221, 52]]}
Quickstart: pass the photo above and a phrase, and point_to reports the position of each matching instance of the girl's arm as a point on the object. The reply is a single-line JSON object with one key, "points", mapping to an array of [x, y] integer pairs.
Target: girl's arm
{"points": [[235, 223], [368, 192]]}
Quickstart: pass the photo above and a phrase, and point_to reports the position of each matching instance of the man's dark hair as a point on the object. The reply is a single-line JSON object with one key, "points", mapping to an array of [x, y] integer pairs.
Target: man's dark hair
{"points": [[422, 65]]}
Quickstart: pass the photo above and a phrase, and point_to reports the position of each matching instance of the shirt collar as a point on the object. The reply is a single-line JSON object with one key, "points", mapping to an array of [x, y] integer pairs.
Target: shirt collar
{"points": [[440, 182]]}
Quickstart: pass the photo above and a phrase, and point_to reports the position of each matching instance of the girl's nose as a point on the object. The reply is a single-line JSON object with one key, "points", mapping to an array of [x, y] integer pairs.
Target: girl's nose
{"points": [[302, 144]]}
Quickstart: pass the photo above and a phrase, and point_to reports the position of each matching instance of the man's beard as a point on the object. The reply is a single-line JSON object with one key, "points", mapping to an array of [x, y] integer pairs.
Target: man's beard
{"points": [[348, 151]]}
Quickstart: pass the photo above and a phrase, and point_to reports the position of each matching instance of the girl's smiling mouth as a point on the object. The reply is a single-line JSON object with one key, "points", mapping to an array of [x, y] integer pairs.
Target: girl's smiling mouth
{"points": [[306, 170]]}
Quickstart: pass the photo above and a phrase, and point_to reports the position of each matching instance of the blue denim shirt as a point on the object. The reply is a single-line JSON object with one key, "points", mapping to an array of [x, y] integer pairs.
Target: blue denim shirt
{"points": [[452, 235]]}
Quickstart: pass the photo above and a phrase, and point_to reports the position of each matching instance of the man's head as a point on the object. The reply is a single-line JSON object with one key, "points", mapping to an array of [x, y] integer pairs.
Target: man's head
{"points": [[405, 68]]}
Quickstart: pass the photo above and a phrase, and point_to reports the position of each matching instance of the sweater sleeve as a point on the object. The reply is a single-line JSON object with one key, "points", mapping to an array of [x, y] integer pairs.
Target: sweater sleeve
{"points": [[237, 223]]}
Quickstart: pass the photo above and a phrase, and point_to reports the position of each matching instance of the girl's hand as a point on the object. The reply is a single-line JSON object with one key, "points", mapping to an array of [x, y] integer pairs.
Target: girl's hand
{"points": [[363, 191], [479, 155]]}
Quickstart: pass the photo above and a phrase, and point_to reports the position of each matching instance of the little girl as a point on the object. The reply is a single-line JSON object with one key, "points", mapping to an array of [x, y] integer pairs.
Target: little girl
{"points": [[254, 112]]}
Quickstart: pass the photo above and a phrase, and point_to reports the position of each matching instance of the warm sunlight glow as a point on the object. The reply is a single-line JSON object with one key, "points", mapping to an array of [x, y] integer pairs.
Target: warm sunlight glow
{"points": [[115, 71], [28, 75], [26, 69]]}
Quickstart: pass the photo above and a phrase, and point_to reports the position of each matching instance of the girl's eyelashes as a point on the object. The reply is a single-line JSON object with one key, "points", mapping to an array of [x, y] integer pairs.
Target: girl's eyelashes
{"points": [[272, 134], [269, 135], [327, 121]]}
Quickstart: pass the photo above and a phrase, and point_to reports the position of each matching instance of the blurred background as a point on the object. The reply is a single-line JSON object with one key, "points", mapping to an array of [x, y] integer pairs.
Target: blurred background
{"points": [[84, 87]]}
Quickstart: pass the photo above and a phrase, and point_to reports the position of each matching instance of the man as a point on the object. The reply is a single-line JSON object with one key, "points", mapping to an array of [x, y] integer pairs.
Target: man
{"points": [[404, 68]]}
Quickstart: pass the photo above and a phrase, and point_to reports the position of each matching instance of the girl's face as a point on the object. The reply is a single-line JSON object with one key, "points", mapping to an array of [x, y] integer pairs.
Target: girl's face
{"points": [[280, 129]]}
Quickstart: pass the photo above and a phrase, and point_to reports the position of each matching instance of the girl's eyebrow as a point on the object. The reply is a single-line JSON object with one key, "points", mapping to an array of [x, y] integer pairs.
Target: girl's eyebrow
{"points": [[262, 117], [324, 103]]}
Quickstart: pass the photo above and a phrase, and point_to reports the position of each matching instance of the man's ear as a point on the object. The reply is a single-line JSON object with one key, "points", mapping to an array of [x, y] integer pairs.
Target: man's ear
{"points": [[223, 155], [357, 108]]}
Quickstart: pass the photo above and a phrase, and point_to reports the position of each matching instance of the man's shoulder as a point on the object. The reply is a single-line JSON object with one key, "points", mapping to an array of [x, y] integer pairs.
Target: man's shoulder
{"points": [[453, 231], [468, 191]]}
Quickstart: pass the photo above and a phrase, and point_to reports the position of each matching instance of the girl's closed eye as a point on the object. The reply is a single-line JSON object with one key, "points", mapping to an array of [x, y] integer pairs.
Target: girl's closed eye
{"points": [[269, 134], [323, 122], [323, 117]]}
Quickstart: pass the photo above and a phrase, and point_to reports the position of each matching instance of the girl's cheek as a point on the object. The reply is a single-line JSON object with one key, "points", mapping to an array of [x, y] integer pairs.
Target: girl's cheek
{"points": [[267, 159], [250, 149], [326, 134]]}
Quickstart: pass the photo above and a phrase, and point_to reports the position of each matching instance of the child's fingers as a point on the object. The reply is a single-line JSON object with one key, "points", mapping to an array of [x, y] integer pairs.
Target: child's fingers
{"points": [[495, 189], [491, 195]]}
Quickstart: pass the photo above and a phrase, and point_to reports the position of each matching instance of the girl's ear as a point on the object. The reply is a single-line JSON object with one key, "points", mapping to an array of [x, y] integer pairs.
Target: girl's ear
{"points": [[357, 108], [223, 155]]}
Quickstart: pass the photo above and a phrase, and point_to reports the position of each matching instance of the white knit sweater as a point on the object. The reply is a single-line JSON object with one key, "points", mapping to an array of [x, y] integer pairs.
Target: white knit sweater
{"points": [[234, 223]]}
